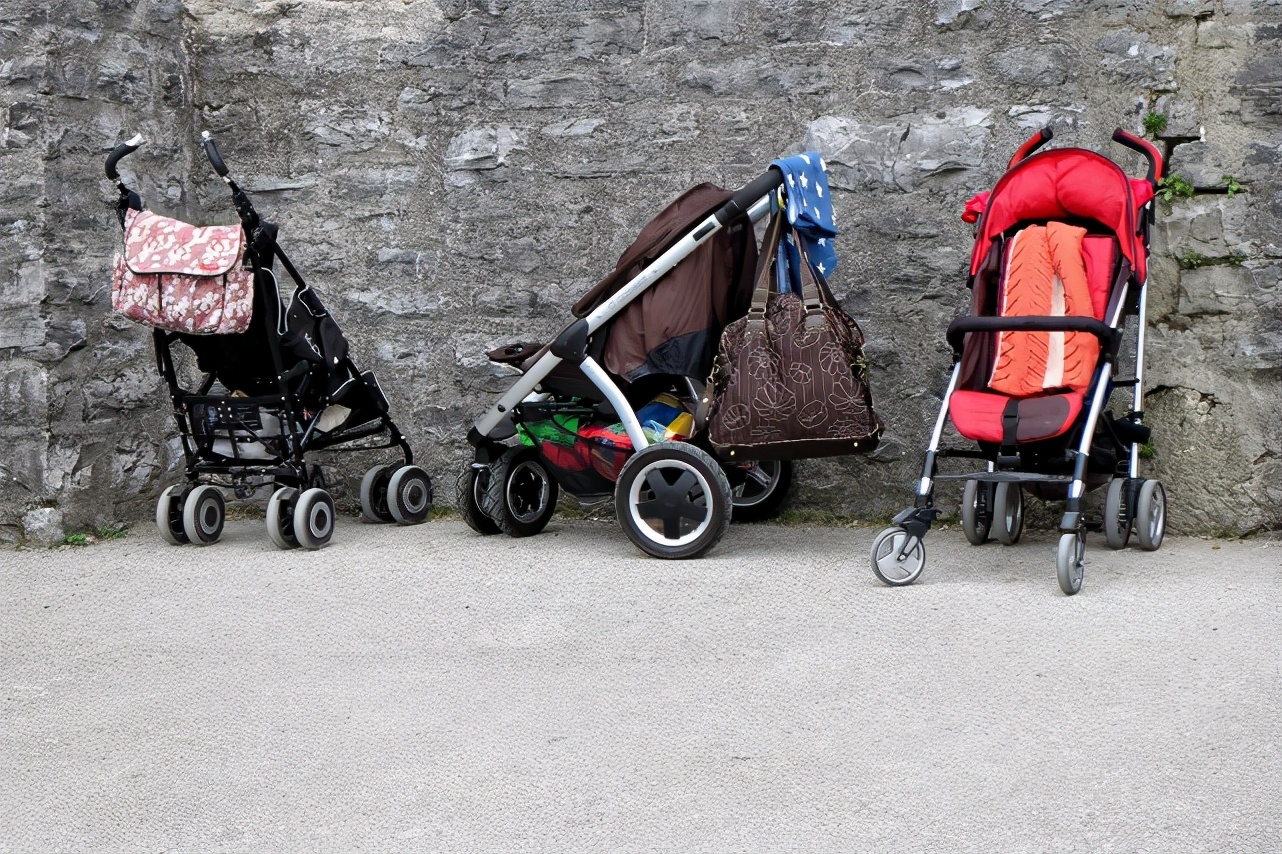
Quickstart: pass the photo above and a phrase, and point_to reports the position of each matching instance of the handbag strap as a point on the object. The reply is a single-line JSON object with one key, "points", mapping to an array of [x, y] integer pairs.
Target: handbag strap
{"points": [[811, 296], [770, 249]]}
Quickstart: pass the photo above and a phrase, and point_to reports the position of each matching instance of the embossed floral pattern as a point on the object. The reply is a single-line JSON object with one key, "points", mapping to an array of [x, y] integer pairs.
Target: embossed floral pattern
{"points": [[792, 383]]}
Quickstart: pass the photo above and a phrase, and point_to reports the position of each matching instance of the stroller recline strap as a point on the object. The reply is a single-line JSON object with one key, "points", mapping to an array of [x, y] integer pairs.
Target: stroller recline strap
{"points": [[1010, 429]]}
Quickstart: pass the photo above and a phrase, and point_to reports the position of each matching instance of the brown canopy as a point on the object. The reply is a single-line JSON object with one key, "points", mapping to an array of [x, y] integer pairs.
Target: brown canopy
{"points": [[674, 327]]}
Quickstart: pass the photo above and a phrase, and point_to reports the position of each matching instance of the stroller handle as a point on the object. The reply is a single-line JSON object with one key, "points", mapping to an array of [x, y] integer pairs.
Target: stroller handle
{"points": [[244, 207], [120, 152], [748, 195], [211, 151], [1038, 139], [1156, 167]]}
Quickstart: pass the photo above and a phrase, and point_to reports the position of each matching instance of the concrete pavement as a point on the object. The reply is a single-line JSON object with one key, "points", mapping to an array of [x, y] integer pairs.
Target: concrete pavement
{"points": [[429, 689]]}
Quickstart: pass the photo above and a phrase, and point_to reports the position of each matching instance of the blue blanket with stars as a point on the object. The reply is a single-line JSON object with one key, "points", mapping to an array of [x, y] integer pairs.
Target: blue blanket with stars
{"points": [[809, 211]]}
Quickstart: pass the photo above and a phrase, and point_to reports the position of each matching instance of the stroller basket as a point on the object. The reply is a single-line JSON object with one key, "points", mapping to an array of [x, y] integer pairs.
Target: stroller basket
{"points": [[240, 428], [584, 465]]}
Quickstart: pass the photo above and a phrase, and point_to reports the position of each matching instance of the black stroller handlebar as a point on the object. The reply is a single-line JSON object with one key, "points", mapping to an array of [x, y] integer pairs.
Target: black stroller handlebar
{"points": [[120, 152], [748, 195], [1156, 168], [211, 151], [958, 328]]}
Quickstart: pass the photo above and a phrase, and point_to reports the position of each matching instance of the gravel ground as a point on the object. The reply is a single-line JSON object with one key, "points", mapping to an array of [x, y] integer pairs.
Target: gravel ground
{"points": [[429, 689]]}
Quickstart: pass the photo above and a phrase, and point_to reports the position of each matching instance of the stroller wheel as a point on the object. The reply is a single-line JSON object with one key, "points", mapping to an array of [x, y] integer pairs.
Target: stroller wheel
{"points": [[314, 518], [977, 511], [1069, 562], [169, 515], [894, 564], [409, 495], [280, 517], [763, 491], [1117, 515], [203, 514], [1150, 515], [673, 500], [521, 494], [374, 494], [472, 485], [1008, 513]]}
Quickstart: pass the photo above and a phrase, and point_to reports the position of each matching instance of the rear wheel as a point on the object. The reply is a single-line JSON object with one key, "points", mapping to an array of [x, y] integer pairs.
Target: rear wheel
{"points": [[763, 491], [1117, 513], [471, 492], [374, 494], [280, 517], [314, 518], [977, 511], [169, 515], [1150, 515], [895, 561], [1070, 564], [1008, 513], [409, 495], [673, 500], [203, 513], [521, 494]]}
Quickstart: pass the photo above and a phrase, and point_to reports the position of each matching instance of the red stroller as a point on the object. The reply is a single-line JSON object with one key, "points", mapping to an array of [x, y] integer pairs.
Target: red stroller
{"points": [[1060, 262]]}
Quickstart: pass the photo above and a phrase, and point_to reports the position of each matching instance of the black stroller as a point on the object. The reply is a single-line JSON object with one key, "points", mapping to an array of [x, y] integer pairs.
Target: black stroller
{"points": [[592, 411], [283, 387], [1059, 264]]}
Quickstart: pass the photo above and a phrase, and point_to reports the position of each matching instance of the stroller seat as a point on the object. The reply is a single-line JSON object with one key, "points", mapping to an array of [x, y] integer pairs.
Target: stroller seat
{"points": [[1030, 386]]}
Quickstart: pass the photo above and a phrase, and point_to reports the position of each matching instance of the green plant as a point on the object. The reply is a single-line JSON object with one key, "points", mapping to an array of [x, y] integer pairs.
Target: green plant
{"points": [[1154, 123], [76, 540], [1192, 260], [1147, 451], [1235, 259], [113, 531], [1232, 186], [1174, 186]]}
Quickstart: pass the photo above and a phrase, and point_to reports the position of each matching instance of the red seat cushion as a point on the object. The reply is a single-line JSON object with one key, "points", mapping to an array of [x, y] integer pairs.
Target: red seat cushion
{"points": [[977, 415]]}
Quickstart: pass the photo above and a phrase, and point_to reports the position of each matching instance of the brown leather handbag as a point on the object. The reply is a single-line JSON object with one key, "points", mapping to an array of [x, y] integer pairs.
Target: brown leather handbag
{"points": [[790, 380]]}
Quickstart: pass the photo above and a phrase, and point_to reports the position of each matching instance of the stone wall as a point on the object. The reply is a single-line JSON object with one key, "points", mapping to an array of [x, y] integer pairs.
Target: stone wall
{"points": [[451, 175]]}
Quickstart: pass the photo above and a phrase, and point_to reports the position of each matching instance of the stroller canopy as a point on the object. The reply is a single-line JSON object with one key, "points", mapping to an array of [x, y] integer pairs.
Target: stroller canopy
{"points": [[1067, 184], [673, 328]]}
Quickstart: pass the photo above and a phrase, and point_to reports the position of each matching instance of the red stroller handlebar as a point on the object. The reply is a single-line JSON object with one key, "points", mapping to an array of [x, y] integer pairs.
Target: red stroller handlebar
{"points": [[1156, 168], [1038, 139]]}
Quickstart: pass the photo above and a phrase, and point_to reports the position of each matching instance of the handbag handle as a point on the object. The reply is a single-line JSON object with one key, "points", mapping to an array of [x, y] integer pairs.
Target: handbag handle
{"points": [[811, 296], [761, 292]]}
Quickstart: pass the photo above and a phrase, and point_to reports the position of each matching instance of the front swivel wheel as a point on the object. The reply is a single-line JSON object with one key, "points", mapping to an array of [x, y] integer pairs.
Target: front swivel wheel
{"points": [[897, 557], [203, 514], [1070, 563]]}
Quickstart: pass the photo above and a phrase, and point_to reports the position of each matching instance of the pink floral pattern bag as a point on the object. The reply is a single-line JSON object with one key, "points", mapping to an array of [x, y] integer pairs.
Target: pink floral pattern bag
{"points": [[182, 278]]}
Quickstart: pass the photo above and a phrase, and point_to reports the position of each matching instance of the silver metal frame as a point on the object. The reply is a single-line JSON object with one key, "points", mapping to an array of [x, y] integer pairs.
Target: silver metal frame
{"points": [[528, 382]]}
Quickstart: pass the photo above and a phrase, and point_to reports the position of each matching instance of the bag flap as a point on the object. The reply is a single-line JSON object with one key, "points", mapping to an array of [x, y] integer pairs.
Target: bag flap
{"points": [[158, 244]]}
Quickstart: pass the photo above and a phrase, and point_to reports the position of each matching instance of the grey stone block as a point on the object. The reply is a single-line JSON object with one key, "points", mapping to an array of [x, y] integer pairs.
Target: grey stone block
{"points": [[43, 527]]}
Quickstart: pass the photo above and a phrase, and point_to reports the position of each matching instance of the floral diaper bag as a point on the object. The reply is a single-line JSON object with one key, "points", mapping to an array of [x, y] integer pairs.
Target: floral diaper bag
{"points": [[182, 278]]}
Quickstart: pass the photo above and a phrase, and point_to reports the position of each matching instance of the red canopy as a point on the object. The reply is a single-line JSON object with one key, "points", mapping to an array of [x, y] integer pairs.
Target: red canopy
{"points": [[1059, 184]]}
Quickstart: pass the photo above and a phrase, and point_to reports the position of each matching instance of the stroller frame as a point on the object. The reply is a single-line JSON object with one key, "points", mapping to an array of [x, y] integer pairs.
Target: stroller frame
{"points": [[898, 554], [491, 434], [299, 486]]}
